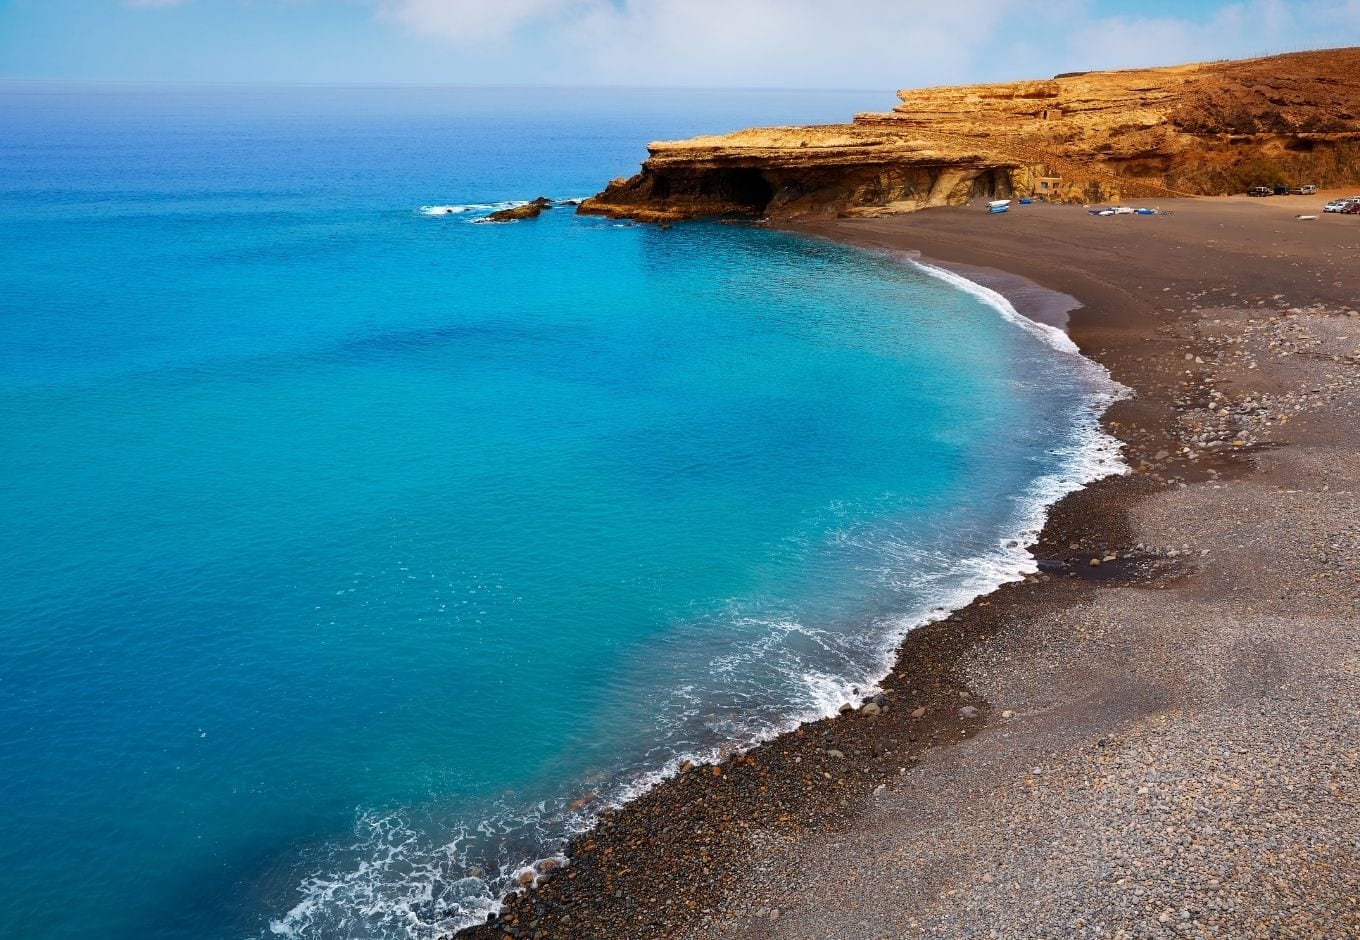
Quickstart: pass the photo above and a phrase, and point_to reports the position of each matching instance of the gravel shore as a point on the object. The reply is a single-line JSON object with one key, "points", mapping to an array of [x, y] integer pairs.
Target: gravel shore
{"points": [[1159, 733]]}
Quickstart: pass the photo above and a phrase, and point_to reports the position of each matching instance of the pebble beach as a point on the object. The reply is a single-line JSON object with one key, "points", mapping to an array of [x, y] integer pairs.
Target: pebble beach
{"points": [[1153, 735]]}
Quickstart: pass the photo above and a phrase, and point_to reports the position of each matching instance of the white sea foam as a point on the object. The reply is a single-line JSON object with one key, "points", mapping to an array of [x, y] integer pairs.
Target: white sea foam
{"points": [[471, 208], [480, 209], [396, 881], [998, 301], [393, 881]]}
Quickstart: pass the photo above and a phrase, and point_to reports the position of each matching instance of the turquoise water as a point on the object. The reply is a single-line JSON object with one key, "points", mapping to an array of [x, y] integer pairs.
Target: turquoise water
{"points": [[356, 555]]}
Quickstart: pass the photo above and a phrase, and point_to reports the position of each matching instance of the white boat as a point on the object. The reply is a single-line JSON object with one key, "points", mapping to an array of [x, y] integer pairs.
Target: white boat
{"points": [[996, 203]]}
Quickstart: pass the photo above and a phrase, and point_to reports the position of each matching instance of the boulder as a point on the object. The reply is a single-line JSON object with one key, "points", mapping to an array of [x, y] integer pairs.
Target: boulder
{"points": [[530, 210]]}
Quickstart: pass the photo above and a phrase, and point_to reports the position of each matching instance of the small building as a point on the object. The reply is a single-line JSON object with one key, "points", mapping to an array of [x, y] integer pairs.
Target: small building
{"points": [[1047, 185]]}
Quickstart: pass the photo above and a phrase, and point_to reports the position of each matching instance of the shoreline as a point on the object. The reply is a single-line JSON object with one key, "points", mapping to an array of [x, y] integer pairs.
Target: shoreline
{"points": [[1095, 456], [671, 862]]}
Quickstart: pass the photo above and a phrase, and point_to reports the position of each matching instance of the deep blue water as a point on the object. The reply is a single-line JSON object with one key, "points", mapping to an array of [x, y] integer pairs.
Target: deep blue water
{"points": [[353, 552]]}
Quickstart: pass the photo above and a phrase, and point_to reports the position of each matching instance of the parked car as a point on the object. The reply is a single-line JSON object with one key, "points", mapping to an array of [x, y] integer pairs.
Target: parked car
{"points": [[1307, 189], [1341, 205], [1282, 190], [1260, 191], [1352, 208]]}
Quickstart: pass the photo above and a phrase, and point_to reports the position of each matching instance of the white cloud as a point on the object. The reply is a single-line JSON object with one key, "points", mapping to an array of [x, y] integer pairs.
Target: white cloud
{"points": [[880, 44], [462, 20], [1235, 30], [863, 43], [732, 42]]}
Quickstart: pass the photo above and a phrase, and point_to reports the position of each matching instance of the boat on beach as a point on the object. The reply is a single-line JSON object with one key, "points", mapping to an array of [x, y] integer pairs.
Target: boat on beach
{"points": [[1123, 210]]}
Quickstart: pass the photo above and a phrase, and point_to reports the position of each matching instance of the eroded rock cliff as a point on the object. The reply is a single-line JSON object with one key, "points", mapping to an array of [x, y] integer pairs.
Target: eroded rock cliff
{"points": [[1200, 129]]}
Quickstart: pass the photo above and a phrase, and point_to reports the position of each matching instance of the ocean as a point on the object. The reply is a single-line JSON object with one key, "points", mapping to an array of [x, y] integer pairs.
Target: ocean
{"points": [[358, 553]]}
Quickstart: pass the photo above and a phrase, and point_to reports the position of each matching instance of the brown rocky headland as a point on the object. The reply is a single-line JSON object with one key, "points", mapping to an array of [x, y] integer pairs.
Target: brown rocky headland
{"points": [[1206, 129]]}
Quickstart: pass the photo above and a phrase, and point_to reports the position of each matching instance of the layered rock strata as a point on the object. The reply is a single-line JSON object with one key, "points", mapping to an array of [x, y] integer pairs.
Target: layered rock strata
{"points": [[1202, 129]]}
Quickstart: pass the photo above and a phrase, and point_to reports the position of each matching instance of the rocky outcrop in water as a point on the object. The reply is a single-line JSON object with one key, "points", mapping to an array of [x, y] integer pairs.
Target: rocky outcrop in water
{"points": [[530, 210], [1203, 129]]}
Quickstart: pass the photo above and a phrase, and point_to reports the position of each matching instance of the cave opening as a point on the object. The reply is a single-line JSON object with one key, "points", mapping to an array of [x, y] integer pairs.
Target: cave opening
{"points": [[745, 188], [993, 184]]}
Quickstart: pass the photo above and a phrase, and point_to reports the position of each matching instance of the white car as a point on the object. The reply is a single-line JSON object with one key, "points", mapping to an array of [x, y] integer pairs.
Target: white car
{"points": [[1340, 205]]}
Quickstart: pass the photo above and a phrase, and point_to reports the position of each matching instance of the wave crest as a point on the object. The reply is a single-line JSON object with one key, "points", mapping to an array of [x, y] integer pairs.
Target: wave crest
{"points": [[470, 208], [479, 209]]}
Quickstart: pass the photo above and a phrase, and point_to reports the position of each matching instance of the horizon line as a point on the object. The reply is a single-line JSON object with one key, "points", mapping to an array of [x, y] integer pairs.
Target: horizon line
{"points": [[498, 86]]}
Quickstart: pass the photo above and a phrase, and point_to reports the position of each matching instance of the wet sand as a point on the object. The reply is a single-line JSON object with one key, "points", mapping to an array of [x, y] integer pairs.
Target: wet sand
{"points": [[1164, 743]]}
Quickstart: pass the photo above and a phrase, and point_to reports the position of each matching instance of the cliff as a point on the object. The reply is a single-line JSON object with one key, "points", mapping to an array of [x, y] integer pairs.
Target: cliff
{"points": [[1203, 129]]}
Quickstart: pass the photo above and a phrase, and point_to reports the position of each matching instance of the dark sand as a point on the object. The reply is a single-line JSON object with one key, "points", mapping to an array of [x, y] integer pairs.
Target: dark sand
{"points": [[1166, 744]]}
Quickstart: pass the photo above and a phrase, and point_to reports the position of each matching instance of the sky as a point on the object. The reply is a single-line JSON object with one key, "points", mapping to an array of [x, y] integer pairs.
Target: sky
{"points": [[866, 44]]}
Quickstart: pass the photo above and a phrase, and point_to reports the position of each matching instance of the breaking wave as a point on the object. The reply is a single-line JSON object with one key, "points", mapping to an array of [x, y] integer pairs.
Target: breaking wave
{"points": [[470, 208], [480, 209]]}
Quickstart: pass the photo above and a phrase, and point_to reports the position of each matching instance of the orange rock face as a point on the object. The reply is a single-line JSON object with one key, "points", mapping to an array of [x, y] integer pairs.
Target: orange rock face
{"points": [[1203, 129]]}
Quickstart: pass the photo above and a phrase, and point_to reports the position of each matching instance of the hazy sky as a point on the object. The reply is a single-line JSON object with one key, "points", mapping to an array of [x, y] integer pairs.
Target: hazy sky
{"points": [[750, 43]]}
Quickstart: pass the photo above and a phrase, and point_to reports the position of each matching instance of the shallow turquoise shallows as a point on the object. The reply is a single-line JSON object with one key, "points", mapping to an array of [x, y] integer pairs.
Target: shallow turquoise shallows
{"points": [[354, 554]]}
